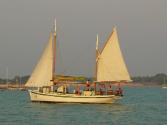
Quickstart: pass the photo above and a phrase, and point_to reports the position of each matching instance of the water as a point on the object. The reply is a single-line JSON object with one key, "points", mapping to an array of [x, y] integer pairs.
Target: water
{"points": [[140, 106]]}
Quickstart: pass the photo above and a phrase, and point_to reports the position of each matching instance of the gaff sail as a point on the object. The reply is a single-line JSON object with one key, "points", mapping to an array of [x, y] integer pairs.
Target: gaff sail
{"points": [[110, 62]]}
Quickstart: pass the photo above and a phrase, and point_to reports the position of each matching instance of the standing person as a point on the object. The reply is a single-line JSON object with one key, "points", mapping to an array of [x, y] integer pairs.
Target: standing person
{"points": [[87, 85]]}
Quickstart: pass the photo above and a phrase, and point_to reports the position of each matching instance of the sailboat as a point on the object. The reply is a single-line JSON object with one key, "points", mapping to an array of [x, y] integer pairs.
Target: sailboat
{"points": [[110, 68], [164, 86]]}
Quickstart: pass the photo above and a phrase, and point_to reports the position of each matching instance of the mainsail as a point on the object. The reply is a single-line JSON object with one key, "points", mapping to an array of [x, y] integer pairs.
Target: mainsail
{"points": [[110, 62], [43, 72]]}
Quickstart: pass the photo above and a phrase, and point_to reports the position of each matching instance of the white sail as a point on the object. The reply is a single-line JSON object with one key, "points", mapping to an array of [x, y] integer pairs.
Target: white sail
{"points": [[110, 64], [43, 72]]}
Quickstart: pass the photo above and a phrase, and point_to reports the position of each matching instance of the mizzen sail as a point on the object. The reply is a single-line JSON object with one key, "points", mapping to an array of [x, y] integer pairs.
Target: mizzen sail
{"points": [[43, 72], [110, 62]]}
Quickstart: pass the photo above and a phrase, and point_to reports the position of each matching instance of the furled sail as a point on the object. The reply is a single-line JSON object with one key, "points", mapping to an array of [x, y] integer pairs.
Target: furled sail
{"points": [[43, 72], [110, 62]]}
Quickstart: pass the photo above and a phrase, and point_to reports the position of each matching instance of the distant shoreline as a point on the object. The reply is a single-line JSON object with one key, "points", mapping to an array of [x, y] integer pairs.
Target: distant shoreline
{"points": [[13, 86], [141, 84]]}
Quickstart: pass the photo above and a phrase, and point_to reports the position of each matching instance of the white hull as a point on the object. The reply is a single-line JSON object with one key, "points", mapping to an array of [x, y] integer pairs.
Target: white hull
{"points": [[71, 98]]}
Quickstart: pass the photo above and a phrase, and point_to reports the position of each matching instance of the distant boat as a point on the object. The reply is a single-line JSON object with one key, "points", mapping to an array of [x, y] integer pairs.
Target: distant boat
{"points": [[164, 86], [110, 68]]}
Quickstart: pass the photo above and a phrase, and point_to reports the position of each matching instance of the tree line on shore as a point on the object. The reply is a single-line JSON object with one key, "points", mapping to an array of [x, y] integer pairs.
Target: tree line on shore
{"points": [[160, 78], [15, 80]]}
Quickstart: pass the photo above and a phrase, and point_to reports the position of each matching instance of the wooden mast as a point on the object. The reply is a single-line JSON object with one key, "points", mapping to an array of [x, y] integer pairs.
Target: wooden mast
{"points": [[97, 54], [54, 51], [97, 40]]}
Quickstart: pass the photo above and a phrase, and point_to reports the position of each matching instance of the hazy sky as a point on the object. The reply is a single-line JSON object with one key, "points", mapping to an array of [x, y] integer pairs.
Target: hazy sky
{"points": [[25, 26]]}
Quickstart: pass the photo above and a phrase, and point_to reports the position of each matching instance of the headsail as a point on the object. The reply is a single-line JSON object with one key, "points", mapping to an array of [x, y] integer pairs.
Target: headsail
{"points": [[43, 72], [110, 64]]}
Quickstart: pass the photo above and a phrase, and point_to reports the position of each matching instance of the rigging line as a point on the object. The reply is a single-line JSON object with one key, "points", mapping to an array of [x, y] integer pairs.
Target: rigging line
{"points": [[59, 54]]}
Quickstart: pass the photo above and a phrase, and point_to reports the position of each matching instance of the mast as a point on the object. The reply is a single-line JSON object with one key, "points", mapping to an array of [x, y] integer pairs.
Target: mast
{"points": [[97, 54], [54, 50]]}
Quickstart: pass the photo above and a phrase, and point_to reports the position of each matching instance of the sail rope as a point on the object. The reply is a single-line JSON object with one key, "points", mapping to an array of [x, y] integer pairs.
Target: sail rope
{"points": [[60, 56]]}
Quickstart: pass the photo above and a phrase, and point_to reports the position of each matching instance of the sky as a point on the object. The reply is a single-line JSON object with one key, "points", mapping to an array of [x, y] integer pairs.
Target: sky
{"points": [[25, 26]]}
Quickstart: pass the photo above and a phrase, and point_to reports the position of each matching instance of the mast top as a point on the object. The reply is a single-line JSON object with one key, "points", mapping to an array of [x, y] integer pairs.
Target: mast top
{"points": [[55, 25], [97, 41], [115, 29]]}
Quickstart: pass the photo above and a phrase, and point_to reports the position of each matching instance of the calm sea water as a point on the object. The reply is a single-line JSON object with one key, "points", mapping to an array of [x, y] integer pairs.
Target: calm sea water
{"points": [[140, 106]]}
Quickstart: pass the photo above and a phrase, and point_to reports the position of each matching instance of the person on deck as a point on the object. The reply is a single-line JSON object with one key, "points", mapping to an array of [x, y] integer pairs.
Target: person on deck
{"points": [[87, 85]]}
